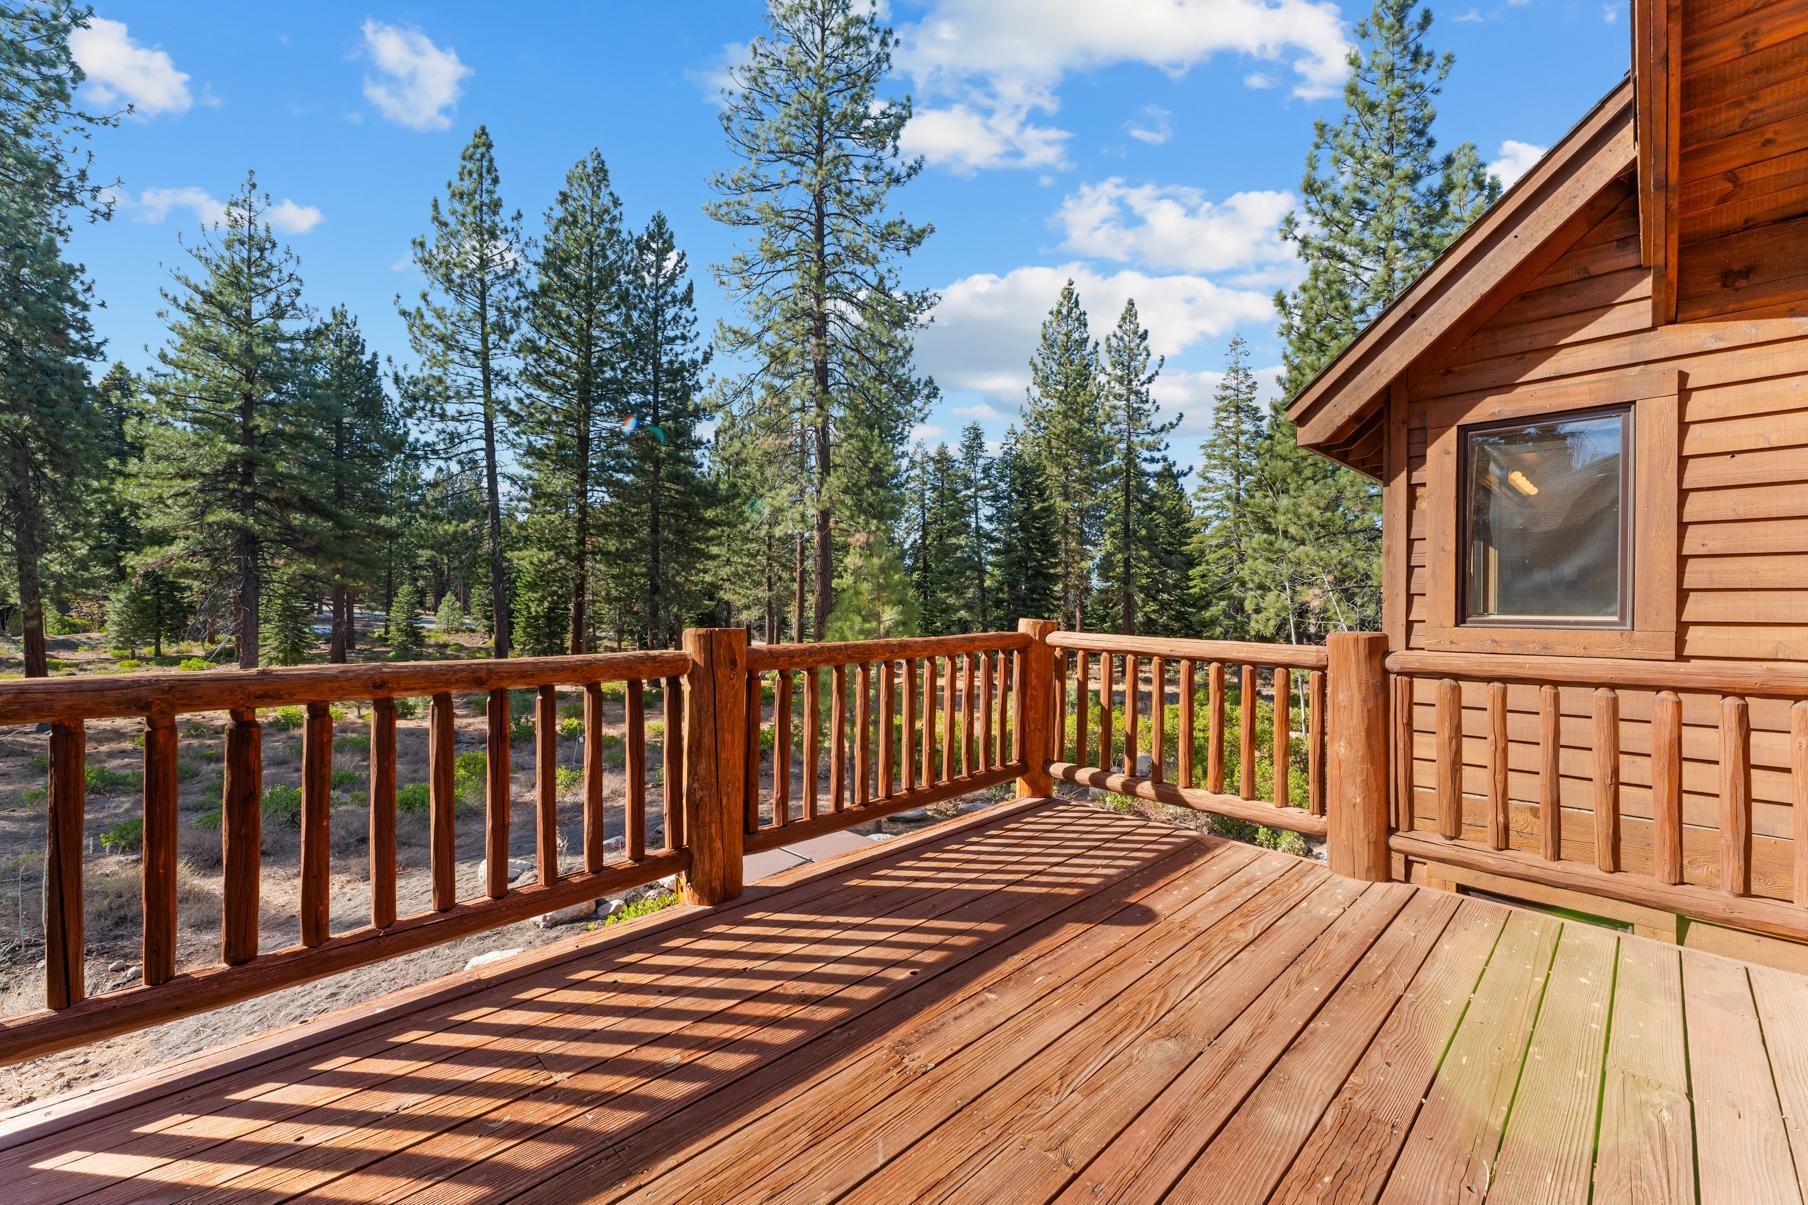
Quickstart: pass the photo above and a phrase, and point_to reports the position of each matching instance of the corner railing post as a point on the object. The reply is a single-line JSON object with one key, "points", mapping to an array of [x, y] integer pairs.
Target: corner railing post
{"points": [[1037, 703], [1357, 770], [715, 737]]}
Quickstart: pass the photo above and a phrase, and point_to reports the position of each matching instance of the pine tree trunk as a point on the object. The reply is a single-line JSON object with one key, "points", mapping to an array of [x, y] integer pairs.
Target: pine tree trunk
{"points": [[819, 364], [247, 550], [499, 600], [341, 623], [656, 620], [580, 586], [23, 503]]}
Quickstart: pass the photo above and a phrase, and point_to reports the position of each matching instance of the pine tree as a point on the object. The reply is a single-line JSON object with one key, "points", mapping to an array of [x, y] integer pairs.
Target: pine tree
{"points": [[404, 623], [465, 330], [976, 534], [231, 470], [659, 529], [571, 357], [148, 606], [286, 618], [1025, 577], [819, 155], [1167, 596], [48, 426], [1379, 204], [1222, 498], [1063, 433], [940, 579], [1139, 447], [115, 530], [362, 435]]}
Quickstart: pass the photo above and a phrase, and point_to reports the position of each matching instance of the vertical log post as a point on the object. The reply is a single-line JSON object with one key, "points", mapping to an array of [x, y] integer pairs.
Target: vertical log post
{"points": [[1450, 759], [546, 784], [442, 803], [1357, 807], [316, 822], [241, 836], [496, 795], [383, 813], [671, 786], [65, 959], [1607, 780], [595, 851], [1034, 709], [714, 773], [1735, 796], [1666, 787], [161, 792], [634, 767]]}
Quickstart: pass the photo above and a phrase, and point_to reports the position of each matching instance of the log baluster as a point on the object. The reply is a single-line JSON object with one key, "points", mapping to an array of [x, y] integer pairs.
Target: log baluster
{"points": [[442, 852], [750, 785], [1735, 796], [812, 741], [888, 712], [672, 773], [1105, 693], [838, 739], [158, 866], [1132, 687], [1158, 718], [1497, 765], [969, 761], [1550, 772], [781, 748], [1403, 763], [1315, 742], [316, 830], [594, 820], [1666, 787], [907, 756], [65, 961], [1183, 759], [634, 768], [928, 722], [1282, 786], [383, 813], [546, 783], [1607, 779], [863, 735], [1082, 704], [496, 791], [1246, 733], [1057, 745], [241, 836], [1214, 718], [950, 739], [1450, 759], [987, 751]]}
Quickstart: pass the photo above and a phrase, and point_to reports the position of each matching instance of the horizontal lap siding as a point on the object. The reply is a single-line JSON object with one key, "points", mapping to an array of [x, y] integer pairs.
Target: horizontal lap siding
{"points": [[1743, 536], [1744, 157]]}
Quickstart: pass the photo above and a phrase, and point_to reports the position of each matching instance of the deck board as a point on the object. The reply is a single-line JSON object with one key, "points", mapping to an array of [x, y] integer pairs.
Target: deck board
{"points": [[1051, 1002]]}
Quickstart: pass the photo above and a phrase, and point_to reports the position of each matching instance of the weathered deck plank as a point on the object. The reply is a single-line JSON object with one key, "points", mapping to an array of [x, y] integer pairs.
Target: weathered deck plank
{"points": [[1052, 1002]]}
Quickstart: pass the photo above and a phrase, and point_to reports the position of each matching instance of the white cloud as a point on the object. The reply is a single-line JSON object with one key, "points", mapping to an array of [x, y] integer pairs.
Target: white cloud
{"points": [[986, 325], [717, 76], [1153, 125], [965, 139], [1259, 80], [1610, 13], [1190, 393], [285, 216], [119, 69], [1175, 228], [416, 82], [1515, 159], [975, 55]]}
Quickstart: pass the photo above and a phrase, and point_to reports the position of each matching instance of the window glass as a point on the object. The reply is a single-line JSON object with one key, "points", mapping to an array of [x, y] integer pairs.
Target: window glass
{"points": [[1546, 530]]}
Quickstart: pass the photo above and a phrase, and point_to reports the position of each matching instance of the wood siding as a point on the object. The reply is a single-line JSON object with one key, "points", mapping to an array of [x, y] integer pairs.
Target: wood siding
{"points": [[1741, 578], [1743, 158]]}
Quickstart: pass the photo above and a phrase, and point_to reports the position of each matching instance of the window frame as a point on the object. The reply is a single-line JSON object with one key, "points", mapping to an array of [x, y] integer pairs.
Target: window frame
{"points": [[1626, 567], [1651, 397]]}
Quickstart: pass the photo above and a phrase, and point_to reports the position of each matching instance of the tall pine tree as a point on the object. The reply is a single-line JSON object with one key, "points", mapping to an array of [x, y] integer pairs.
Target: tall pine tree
{"points": [[232, 470], [1139, 447], [819, 158], [1222, 496], [465, 331], [1379, 204], [1064, 434], [1025, 566]]}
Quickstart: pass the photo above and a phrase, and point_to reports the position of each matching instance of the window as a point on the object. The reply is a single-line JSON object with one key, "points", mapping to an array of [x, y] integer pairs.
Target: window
{"points": [[1546, 518]]}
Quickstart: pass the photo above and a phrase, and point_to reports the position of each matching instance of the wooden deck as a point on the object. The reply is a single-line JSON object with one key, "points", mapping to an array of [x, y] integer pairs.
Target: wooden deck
{"points": [[1046, 1002]]}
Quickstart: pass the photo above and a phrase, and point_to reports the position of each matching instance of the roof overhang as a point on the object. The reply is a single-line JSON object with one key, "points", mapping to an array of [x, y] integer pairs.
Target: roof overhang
{"points": [[1515, 240]]}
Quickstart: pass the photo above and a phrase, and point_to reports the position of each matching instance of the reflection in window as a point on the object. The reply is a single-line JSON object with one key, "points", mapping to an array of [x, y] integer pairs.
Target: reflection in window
{"points": [[1546, 512]]}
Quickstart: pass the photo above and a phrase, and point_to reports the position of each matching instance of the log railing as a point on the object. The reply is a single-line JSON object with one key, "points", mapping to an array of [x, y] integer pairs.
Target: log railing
{"points": [[840, 734], [1111, 724], [71, 1016], [1677, 787]]}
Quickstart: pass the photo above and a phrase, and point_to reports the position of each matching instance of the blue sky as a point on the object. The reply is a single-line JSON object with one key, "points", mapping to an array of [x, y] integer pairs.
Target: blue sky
{"points": [[1145, 147]]}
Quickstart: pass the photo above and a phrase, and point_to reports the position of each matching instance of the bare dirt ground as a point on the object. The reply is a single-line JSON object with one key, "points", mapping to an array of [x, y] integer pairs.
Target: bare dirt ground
{"points": [[111, 870]]}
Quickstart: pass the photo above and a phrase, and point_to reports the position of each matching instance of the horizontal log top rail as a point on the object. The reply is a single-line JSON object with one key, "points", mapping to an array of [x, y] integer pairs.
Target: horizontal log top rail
{"points": [[1760, 678], [762, 657], [51, 699], [1235, 652]]}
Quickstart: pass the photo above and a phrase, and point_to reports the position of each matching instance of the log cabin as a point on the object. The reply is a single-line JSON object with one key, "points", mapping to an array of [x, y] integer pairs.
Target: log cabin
{"points": [[1589, 419], [1590, 696]]}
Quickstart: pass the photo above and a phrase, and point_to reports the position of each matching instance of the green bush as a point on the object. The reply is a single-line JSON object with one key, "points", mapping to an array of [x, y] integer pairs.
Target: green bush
{"points": [[194, 663], [208, 820], [287, 719], [413, 799], [346, 777], [407, 709], [128, 663], [567, 780], [282, 804], [354, 742], [100, 780], [38, 763], [571, 727], [125, 837], [643, 907]]}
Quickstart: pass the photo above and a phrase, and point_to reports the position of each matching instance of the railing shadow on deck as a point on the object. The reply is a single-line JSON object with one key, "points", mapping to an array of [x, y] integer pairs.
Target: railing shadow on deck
{"points": [[593, 1053]]}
